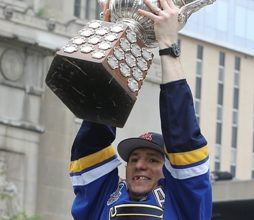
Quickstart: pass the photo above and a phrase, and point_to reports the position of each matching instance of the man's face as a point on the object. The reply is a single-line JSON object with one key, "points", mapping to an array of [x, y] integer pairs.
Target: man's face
{"points": [[144, 169]]}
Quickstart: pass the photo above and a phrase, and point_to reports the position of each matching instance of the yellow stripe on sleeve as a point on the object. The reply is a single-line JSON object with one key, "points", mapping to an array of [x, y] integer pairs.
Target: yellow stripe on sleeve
{"points": [[91, 160], [186, 158]]}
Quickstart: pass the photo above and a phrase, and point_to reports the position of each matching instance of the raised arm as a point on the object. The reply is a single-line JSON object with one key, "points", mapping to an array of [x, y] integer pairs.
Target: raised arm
{"points": [[166, 28], [93, 169], [187, 170]]}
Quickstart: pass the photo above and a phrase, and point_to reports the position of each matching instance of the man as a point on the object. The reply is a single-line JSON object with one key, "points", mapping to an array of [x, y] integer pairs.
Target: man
{"points": [[163, 180]]}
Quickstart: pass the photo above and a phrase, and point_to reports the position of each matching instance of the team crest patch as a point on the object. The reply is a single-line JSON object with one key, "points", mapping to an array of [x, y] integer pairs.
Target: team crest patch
{"points": [[115, 195]]}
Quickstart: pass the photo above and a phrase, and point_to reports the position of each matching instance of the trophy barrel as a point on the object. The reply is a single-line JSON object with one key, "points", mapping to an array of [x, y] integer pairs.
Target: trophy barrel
{"points": [[101, 86], [90, 94]]}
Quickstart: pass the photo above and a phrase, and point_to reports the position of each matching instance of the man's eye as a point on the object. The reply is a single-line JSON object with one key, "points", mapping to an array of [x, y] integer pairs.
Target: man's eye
{"points": [[153, 160], [133, 160]]}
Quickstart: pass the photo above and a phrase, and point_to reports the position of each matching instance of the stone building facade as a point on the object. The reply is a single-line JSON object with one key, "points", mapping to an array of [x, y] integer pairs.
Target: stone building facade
{"points": [[37, 130]]}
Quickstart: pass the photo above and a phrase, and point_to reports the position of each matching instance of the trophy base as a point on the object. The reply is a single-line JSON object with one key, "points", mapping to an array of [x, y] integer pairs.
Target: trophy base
{"points": [[90, 91], [99, 72]]}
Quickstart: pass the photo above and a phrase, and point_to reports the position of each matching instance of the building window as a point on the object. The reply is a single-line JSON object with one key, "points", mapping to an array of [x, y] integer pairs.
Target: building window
{"points": [[237, 63], [198, 87], [234, 137], [233, 158], [252, 173], [219, 113], [233, 170], [217, 157], [221, 78], [235, 108], [236, 98], [197, 108], [218, 132], [199, 67], [199, 70], [237, 78], [222, 59], [217, 165], [220, 94], [253, 142], [200, 51], [86, 9], [234, 117], [77, 7]]}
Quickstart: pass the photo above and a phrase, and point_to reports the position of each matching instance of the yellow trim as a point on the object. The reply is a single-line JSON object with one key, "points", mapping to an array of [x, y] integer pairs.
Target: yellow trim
{"points": [[91, 160], [189, 157]]}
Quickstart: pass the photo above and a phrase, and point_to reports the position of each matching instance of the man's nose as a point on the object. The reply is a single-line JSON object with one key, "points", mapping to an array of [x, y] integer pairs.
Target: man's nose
{"points": [[141, 164]]}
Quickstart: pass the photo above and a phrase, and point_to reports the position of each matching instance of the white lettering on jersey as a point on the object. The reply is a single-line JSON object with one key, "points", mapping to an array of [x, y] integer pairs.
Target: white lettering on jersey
{"points": [[159, 195]]}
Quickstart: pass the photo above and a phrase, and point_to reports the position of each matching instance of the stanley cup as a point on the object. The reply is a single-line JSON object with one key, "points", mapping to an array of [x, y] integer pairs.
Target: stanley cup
{"points": [[99, 72]]}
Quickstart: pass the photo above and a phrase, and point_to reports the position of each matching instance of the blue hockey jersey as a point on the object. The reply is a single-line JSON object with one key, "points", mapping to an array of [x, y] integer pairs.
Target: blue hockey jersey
{"points": [[184, 193]]}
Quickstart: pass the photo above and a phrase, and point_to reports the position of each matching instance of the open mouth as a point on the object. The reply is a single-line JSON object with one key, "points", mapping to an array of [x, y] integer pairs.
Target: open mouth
{"points": [[140, 178]]}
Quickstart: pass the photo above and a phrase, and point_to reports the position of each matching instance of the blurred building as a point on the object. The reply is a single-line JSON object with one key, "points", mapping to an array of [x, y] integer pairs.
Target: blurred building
{"points": [[37, 130]]}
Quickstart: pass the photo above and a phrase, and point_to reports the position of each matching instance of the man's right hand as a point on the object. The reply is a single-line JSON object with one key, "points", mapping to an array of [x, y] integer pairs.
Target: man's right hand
{"points": [[165, 17]]}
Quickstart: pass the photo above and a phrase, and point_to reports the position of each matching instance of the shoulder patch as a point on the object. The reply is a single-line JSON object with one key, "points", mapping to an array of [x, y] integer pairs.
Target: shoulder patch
{"points": [[115, 195]]}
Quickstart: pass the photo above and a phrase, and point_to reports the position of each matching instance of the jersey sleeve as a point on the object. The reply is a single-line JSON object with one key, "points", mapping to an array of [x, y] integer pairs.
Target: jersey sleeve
{"points": [[187, 167], [93, 169]]}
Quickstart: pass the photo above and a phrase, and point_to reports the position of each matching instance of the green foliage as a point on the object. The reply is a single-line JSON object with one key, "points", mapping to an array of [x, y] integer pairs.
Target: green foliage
{"points": [[4, 196], [8, 194], [20, 216], [40, 13]]}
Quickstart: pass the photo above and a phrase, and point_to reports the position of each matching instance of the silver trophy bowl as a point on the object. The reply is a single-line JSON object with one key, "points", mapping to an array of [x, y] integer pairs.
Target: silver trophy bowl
{"points": [[127, 11]]}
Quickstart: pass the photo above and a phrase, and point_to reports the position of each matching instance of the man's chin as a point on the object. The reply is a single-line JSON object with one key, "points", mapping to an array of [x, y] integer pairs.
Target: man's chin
{"points": [[138, 195]]}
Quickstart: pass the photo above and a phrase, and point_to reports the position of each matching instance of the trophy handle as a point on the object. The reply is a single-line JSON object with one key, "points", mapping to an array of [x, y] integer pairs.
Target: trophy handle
{"points": [[187, 10]]}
